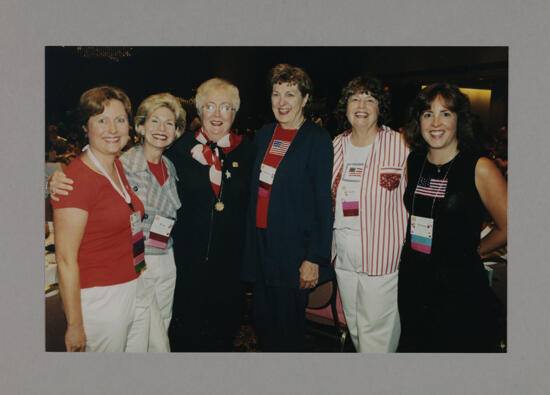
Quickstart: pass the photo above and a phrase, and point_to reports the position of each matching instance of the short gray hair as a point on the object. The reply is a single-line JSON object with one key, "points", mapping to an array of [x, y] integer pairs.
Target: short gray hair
{"points": [[213, 84]]}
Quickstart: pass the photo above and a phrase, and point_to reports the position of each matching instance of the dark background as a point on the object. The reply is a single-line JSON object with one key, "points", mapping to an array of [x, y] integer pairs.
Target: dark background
{"points": [[142, 71]]}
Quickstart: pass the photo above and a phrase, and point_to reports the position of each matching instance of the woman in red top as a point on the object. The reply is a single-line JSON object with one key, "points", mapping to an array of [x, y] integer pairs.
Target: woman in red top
{"points": [[99, 244], [289, 220]]}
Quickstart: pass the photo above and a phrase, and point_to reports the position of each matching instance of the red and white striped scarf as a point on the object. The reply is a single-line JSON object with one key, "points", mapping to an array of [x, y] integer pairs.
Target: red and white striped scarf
{"points": [[208, 156]]}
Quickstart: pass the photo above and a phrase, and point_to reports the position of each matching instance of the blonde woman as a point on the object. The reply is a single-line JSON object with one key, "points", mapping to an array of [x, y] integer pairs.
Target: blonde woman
{"points": [[159, 121]]}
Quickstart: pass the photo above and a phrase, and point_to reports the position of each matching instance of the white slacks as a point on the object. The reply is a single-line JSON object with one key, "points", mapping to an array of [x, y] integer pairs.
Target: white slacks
{"points": [[161, 276], [369, 302], [108, 315], [148, 332]]}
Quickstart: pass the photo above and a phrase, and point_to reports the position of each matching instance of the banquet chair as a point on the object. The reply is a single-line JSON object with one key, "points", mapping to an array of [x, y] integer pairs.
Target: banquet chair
{"points": [[322, 309]]}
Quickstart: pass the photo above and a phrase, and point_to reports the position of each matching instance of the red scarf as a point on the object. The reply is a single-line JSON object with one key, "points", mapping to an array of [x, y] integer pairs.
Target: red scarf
{"points": [[208, 153]]}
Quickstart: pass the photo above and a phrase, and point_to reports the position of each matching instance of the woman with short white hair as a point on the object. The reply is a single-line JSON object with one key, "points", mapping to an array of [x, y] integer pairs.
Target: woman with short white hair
{"points": [[214, 166]]}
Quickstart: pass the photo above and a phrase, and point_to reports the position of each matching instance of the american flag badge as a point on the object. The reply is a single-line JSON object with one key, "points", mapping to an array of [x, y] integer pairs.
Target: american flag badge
{"points": [[353, 172], [431, 187], [279, 147]]}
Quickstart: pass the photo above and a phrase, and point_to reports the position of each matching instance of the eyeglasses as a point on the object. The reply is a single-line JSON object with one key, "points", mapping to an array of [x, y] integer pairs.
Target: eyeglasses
{"points": [[224, 108]]}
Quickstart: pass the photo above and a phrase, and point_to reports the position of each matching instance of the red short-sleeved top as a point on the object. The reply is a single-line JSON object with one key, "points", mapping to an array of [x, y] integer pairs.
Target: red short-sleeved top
{"points": [[105, 254]]}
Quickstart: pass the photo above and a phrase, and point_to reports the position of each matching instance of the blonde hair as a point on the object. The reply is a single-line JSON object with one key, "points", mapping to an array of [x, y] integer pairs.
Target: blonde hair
{"points": [[152, 103], [217, 83]]}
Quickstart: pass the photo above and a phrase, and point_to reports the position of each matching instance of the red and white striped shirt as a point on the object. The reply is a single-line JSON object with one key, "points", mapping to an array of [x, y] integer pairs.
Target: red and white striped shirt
{"points": [[383, 216]]}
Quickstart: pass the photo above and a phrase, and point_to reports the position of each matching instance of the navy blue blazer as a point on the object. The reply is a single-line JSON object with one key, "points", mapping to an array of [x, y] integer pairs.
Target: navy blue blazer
{"points": [[300, 216]]}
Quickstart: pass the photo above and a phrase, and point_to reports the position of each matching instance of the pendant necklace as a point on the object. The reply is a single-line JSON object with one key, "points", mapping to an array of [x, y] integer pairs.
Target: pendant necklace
{"points": [[219, 206]]}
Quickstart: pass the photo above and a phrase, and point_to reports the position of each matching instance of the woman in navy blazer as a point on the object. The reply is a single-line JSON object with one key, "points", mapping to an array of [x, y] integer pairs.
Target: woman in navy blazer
{"points": [[289, 221]]}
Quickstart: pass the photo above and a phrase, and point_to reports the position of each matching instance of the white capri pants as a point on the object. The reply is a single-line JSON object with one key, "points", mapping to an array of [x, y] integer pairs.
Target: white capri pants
{"points": [[108, 315], [154, 305], [369, 302], [161, 275]]}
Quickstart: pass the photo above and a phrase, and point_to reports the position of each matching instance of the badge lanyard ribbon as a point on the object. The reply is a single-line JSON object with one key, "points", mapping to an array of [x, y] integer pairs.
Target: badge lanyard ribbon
{"points": [[125, 195], [421, 227]]}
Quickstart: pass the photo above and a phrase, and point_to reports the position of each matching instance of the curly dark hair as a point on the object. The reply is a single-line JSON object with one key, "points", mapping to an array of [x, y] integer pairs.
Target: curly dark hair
{"points": [[364, 84], [293, 75], [455, 101]]}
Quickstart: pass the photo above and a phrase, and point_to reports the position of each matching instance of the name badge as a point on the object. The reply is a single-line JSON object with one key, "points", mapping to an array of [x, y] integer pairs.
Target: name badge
{"points": [[350, 209], [350, 201], [138, 244], [422, 234], [267, 174], [160, 232]]}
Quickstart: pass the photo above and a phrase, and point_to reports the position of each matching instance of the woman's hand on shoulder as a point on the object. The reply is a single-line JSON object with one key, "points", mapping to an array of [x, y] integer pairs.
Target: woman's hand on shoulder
{"points": [[59, 184]]}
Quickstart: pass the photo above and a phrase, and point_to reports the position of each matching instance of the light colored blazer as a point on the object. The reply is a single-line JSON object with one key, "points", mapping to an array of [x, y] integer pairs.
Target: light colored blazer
{"points": [[162, 200]]}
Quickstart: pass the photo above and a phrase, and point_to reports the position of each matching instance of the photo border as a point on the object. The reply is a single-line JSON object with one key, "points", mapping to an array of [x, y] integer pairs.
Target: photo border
{"points": [[30, 26]]}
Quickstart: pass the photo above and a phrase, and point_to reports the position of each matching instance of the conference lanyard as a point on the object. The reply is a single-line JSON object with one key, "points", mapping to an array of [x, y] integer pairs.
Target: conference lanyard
{"points": [[124, 194]]}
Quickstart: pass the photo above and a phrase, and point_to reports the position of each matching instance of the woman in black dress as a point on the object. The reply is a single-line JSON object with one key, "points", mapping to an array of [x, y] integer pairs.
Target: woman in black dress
{"points": [[445, 302], [214, 167]]}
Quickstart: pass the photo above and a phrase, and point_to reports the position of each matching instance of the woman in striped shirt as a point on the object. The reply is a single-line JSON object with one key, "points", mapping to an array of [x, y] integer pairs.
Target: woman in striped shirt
{"points": [[370, 219]]}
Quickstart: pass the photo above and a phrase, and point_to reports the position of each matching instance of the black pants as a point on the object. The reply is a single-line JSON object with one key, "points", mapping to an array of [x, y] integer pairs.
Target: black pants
{"points": [[279, 313], [207, 321], [438, 318], [186, 336], [279, 317]]}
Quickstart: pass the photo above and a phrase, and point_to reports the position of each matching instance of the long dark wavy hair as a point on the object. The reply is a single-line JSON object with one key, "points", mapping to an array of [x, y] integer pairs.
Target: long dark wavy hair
{"points": [[455, 101], [364, 84]]}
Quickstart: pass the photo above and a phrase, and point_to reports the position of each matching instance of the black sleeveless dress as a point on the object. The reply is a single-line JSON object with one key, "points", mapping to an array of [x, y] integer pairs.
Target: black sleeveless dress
{"points": [[445, 302]]}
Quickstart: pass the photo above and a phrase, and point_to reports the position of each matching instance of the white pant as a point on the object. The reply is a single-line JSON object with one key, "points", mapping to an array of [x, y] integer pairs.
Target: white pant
{"points": [[108, 315], [161, 276], [369, 302], [370, 307], [147, 333]]}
